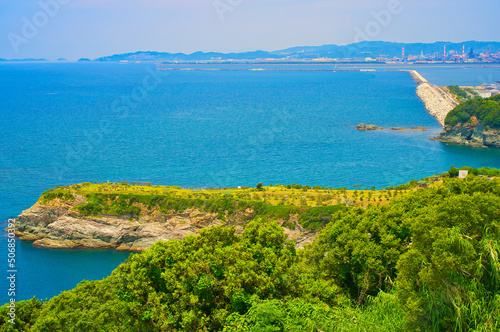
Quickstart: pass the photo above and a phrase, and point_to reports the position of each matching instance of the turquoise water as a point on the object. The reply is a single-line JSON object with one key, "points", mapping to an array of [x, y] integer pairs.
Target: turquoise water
{"points": [[68, 123]]}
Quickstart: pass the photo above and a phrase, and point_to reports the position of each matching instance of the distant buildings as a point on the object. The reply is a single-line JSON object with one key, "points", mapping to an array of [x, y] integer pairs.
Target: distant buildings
{"points": [[492, 89], [483, 94], [488, 90], [446, 56], [462, 174]]}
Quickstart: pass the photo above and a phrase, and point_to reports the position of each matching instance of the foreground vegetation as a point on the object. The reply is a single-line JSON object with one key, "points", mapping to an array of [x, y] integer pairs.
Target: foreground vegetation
{"points": [[486, 110], [426, 261]]}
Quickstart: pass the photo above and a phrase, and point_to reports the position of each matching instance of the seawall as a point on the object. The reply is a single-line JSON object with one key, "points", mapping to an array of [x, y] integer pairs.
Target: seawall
{"points": [[437, 102]]}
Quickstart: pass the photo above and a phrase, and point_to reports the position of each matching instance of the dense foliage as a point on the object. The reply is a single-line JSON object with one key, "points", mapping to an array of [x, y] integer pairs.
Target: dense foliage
{"points": [[427, 261], [485, 110]]}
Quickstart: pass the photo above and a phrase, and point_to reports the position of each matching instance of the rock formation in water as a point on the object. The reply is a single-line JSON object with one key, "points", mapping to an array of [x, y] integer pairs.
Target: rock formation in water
{"points": [[362, 126]]}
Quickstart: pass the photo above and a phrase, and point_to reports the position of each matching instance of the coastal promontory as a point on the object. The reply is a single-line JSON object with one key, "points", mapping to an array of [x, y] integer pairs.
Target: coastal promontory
{"points": [[132, 217], [475, 123]]}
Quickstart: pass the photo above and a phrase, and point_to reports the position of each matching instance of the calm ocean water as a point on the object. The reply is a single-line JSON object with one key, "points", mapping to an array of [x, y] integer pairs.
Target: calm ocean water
{"points": [[68, 123]]}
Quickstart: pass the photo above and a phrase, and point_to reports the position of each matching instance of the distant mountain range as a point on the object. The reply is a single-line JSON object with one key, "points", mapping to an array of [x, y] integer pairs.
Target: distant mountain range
{"points": [[363, 49], [372, 49]]}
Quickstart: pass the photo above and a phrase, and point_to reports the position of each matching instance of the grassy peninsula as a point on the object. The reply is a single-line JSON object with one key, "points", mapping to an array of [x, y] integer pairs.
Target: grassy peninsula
{"points": [[274, 200], [133, 216], [427, 260]]}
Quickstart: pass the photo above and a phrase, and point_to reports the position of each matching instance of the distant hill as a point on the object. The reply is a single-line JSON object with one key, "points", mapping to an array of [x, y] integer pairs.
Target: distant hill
{"points": [[363, 49], [163, 56], [357, 51]]}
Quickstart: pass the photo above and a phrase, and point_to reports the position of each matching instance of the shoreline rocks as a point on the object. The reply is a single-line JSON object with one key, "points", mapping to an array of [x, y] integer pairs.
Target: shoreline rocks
{"points": [[472, 134]]}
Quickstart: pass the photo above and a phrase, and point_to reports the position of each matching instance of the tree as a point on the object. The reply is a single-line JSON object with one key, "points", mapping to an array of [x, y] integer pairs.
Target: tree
{"points": [[453, 172]]}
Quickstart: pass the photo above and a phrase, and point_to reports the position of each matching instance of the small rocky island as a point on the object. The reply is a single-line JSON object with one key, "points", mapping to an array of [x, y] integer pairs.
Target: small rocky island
{"points": [[369, 127], [474, 123], [362, 126]]}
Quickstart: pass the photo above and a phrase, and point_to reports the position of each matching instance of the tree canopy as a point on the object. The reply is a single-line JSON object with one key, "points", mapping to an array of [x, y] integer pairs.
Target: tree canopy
{"points": [[427, 260], [486, 110]]}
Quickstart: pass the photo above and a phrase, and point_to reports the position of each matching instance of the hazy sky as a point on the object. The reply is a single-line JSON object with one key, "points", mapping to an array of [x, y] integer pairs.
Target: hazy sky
{"points": [[92, 28]]}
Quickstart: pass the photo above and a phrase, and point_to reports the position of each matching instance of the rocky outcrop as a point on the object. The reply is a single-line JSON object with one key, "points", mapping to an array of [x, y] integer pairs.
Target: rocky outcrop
{"points": [[472, 133], [362, 126], [55, 224]]}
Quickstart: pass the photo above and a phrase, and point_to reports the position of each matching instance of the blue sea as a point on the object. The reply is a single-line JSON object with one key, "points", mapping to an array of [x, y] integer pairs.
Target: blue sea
{"points": [[65, 123]]}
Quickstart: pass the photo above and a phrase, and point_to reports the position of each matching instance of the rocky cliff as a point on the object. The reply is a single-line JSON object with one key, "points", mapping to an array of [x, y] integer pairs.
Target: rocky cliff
{"points": [[472, 133], [56, 224]]}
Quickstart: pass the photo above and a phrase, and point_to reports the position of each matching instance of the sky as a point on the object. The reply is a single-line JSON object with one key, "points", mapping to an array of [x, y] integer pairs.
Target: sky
{"points": [[75, 29]]}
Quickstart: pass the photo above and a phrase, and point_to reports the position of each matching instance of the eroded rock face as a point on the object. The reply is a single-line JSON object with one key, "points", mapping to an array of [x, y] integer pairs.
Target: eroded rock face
{"points": [[472, 133], [491, 138], [56, 225]]}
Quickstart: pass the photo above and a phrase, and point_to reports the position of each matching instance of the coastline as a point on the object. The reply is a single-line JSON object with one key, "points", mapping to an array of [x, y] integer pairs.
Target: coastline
{"points": [[437, 102]]}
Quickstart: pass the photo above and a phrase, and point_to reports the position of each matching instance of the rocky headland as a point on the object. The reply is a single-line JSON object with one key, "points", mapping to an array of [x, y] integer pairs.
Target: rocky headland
{"points": [[56, 225], [475, 122], [59, 223], [473, 133]]}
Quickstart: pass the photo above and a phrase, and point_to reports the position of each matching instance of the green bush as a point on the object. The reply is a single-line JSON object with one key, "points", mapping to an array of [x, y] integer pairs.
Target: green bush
{"points": [[456, 90], [486, 110]]}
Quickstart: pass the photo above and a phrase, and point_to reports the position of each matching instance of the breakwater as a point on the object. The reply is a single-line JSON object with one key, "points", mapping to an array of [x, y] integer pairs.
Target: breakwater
{"points": [[437, 102]]}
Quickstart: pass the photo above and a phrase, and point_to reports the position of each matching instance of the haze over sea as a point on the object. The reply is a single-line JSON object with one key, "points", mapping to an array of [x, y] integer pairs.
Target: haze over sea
{"points": [[65, 123]]}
